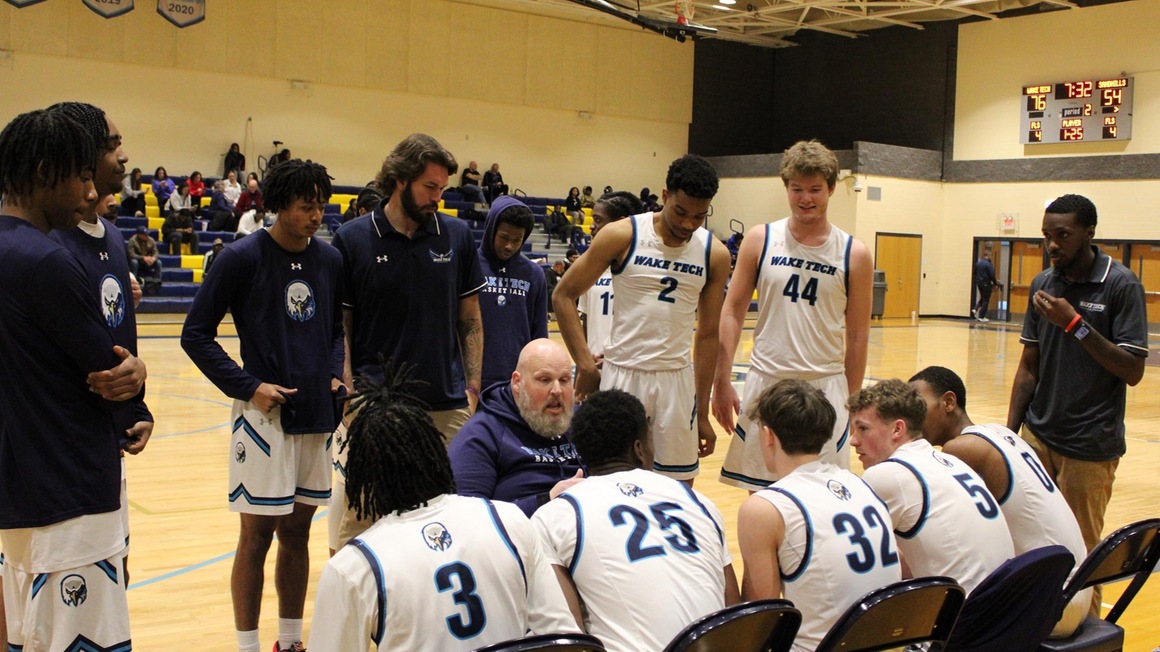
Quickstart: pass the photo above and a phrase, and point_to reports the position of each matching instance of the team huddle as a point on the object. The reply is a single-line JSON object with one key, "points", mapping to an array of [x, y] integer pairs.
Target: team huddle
{"points": [[484, 482]]}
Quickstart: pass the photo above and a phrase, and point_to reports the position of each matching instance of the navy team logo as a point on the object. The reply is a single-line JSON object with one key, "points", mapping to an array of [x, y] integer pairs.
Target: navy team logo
{"points": [[436, 536], [839, 490], [73, 590], [941, 460], [441, 258], [112, 300], [240, 453], [629, 489], [300, 301], [1009, 439]]}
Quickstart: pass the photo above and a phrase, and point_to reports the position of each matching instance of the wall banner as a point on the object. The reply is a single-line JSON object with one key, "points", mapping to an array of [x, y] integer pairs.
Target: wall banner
{"points": [[110, 8], [23, 3], [182, 13]]}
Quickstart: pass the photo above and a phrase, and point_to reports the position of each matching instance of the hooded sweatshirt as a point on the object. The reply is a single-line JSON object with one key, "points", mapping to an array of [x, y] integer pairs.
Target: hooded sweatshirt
{"points": [[514, 301], [497, 456]]}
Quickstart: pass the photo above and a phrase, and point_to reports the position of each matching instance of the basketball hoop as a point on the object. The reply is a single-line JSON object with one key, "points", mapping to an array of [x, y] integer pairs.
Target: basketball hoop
{"points": [[684, 9]]}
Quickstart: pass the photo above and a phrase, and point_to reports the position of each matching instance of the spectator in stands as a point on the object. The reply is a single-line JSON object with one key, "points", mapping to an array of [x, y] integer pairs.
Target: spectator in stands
{"points": [[514, 304], [469, 185], [557, 225], [251, 221], [178, 229], [132, 197], [572, 206], [553, 274], [235, 161], [178, 201], [162, 188], [232, 188], [143, 259], [569, 258], [351, 211], [252, 198], [366, 202], [586, 199], [196, 190], [218, 245], [220, 212], [280, 157], [517, 447], [493, 185]]}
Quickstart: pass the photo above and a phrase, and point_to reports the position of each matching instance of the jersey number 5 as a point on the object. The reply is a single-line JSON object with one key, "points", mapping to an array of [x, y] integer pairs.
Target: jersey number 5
{"points": [[682, 541], [809, 292]]}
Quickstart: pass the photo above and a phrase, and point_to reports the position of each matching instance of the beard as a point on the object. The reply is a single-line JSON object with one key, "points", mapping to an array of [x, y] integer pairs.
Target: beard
{"points": [[543, 424], [411, 208]]}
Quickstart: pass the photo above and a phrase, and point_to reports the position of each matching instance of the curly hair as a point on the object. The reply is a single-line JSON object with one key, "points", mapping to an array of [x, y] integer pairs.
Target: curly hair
{"points": [[893, 399], [809, 157], [605, 426], [295, 179], [1078, 205], [694, 175]]}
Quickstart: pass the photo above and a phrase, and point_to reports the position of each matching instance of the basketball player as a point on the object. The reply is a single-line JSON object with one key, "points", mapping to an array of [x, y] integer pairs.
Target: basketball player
{"points": [[1034, 508], [645, 554], [60, 471], [813, 282], [668, 272], [946, 520], [435, 572], [819, 536], [596, 304], [282, 287]]}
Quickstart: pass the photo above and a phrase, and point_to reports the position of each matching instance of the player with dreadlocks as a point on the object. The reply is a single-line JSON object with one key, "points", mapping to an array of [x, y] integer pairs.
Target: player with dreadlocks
{"points": [[436, 571], [60, 469], [282, 287]]}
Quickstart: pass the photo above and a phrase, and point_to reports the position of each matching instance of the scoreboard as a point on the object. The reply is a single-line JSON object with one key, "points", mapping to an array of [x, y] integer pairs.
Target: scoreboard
{"points": [[1088, 110]]}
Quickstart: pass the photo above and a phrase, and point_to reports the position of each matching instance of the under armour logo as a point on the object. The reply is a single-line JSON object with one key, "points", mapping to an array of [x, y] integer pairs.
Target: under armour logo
{"points": [[380, 259], [263, 421], [503, 270], [295, 265], [104, 255]]}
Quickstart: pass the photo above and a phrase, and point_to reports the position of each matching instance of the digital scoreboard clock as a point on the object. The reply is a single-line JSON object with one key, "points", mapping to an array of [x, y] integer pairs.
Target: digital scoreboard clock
{"points": [[1077, 111]]}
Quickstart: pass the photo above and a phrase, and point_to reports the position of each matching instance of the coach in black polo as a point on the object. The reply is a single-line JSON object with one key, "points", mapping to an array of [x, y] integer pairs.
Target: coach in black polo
{"points": [[1085, 339]]}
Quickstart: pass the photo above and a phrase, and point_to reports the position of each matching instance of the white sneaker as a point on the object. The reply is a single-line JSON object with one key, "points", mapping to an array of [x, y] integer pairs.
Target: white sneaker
{"points": [[984, 319]]}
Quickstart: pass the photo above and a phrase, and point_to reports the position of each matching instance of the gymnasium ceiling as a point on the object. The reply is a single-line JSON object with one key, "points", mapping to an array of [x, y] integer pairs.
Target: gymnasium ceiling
{"points": [[774, 23]]}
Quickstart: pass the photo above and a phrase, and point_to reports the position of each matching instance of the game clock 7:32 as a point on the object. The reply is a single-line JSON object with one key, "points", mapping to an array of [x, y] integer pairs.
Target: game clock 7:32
{"points": [[1077, 111]]}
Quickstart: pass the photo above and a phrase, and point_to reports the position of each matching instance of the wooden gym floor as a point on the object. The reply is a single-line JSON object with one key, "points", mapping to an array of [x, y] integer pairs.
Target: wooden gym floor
{"points": [[183, 536]]}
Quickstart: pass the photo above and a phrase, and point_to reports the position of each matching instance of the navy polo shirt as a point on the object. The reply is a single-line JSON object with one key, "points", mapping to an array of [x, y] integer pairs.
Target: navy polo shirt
{"points": [[1078, 408], [403, 294]]}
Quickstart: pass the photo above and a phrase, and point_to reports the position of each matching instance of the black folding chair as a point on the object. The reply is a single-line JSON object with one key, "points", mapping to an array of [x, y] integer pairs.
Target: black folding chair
{"points": [[548, 643], [1130, 552], [920, 610], [757, 626]]}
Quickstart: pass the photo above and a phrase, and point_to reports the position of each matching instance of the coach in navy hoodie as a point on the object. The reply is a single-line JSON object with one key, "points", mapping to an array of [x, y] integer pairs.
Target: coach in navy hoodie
{"points": [[514, 302], [517, 446]]}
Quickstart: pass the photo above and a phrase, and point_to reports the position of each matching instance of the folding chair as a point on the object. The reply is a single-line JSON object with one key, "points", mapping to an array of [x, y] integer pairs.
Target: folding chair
{"points": [[1130, 552], [757, 626], [911, 611], [548, 643], [1016, 606]]}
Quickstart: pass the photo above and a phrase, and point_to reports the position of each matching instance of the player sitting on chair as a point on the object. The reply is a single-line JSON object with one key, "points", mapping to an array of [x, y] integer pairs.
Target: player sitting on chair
{"points": [[436, 571]]}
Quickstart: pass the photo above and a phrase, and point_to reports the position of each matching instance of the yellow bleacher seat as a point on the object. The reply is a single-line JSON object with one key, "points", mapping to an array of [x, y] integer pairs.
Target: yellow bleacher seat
{"points": [[453, 212], [151, 200], [197, 273], [204, 201], [156, 222], [191, 261], [153, 211]]}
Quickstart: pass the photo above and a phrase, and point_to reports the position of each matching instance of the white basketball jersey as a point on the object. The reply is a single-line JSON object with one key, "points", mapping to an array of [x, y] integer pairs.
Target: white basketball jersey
{"points": [[801, 304], [946, 521], [657, 289], [645, 551], [596, 304], [839, 544], [1034, 507], [458, 574]]}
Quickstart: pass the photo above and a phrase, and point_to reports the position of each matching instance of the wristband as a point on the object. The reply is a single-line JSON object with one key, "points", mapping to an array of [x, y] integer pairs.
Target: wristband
{"points": [[473, 391], [1074, 320]]}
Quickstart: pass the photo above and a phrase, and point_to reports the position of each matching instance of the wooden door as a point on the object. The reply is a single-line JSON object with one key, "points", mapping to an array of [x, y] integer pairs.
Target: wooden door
{"points": [[1026, 262], [900, 256], [1145, 263]]}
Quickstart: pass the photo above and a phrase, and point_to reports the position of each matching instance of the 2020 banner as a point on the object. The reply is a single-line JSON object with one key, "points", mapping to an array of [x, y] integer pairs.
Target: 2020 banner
{"points": [[182, 13]]}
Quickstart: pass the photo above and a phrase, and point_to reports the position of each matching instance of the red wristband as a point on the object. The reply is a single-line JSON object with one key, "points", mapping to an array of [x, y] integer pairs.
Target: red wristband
{"points": [[1074, 320]]}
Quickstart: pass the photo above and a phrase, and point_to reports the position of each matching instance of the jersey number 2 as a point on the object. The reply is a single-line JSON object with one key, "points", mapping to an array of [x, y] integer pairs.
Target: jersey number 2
{"points": [[445, 578], [670, 284], [809, 292], [848, 523]]}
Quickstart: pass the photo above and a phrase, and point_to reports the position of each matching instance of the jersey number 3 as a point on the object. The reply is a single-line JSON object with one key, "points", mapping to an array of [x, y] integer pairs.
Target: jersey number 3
{"points": [[809, 292], [445, 580]]}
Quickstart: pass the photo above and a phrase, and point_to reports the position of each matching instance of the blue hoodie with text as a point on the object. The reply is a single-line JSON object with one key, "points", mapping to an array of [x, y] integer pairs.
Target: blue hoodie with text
{"points": [[514, 301]]}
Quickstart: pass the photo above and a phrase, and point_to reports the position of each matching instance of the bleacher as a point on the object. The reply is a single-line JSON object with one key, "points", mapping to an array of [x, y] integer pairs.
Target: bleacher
{"points": [[181, 274]]}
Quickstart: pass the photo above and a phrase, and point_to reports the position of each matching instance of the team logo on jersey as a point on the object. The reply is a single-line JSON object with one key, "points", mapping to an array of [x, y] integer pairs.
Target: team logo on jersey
{"points": [[300, 301], [112, 300], [501, 300], [839, 490], [941, 460], [73, 590], [441, 258], [1093, 307], [1009, 439], [436, 536], [629, 489], [240, 453]]}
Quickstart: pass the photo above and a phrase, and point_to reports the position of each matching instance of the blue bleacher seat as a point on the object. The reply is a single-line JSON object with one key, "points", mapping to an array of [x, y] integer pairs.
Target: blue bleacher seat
{"points": [[175, 275]]}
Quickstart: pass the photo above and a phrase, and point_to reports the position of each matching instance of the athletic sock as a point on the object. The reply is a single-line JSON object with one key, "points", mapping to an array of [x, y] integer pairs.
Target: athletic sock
{"points": [[248, 641], [289, 632]]}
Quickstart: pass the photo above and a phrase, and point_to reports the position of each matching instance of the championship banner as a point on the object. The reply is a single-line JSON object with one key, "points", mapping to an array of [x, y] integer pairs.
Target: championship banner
{"points": [[110, 8], [182, 13], [23, 3]]}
